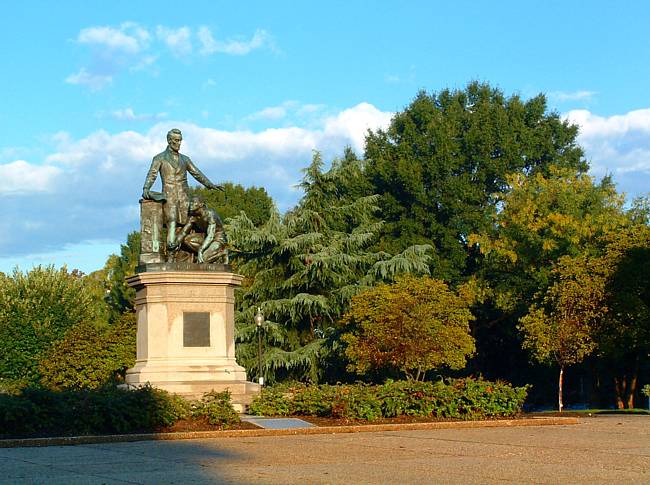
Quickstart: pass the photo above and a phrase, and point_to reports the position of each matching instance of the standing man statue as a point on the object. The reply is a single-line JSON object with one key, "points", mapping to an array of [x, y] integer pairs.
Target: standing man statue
{"points": [[173, 167]]}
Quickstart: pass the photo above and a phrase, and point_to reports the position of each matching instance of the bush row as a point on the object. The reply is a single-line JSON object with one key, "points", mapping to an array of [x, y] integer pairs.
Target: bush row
{"points": [[457, 398], [108, 410]]}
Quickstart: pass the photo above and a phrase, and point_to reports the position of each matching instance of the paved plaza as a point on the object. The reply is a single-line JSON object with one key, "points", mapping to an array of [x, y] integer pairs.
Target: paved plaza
{"points": [[604, 449]]}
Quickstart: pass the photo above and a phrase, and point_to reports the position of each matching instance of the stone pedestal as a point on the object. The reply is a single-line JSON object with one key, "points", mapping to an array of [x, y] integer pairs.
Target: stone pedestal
{"points": [[185, 339], [152, 243]]}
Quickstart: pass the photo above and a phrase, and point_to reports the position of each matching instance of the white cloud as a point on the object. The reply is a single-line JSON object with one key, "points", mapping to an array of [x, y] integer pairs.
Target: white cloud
{"points": [[308, 109], [209, 45], [291, 111], [617, 145], [127, 146], [129, 46], [127, 114], [563, 96], [95, 82], [594, 126], [354, 123], [128, 37], [21, 177], [270, 113], [145, 62], [177, 40]]}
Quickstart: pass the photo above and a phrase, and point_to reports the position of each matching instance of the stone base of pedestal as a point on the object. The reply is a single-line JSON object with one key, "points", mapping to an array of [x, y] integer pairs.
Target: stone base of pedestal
{"points": [[185, 339]]}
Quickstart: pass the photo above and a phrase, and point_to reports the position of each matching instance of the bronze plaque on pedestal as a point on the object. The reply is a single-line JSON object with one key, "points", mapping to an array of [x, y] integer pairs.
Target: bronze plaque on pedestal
{"points": [[196, 329]]}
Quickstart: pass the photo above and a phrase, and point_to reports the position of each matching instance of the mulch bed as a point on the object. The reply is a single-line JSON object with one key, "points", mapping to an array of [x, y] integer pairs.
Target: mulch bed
{"points": [[185, 425]]}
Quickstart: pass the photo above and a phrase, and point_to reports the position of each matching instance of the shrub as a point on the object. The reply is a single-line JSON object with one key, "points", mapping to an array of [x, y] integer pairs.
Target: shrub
{"points": [[414, 325], [272, 401], [90, 356], [109, 410], [458, 399], [37, 309], [216, 408]]}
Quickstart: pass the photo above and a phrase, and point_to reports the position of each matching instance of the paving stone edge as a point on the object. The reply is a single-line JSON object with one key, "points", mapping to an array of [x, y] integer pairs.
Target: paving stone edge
{"points": [[244, 433]]}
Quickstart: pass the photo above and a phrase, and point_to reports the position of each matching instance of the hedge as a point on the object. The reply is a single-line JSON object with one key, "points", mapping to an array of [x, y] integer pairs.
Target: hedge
{"points": [[456, 398]]}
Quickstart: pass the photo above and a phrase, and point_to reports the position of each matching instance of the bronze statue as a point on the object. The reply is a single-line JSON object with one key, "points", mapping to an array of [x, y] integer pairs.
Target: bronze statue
{"points": [[203, 234], [173, 167]]}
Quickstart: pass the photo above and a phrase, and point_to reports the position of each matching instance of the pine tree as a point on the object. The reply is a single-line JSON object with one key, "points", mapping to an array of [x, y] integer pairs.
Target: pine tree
{"points": [[303, 268]]}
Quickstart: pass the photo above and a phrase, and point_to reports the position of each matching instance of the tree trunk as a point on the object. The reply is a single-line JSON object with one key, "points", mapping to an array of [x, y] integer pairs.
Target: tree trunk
{"points": [[619, 386], [631, 388], [560, 404]]}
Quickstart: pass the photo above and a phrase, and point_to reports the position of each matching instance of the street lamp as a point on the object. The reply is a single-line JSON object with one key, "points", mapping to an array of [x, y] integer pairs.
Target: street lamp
{"points": [[259, 320]]}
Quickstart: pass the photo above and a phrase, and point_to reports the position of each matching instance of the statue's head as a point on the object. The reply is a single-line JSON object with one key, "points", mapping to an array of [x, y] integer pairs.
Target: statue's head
{"points": [[174, 139], [196, 202]]}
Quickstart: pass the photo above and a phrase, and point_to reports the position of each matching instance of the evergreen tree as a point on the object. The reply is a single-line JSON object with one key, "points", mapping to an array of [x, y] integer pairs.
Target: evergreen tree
{"points": [[304, 267]]}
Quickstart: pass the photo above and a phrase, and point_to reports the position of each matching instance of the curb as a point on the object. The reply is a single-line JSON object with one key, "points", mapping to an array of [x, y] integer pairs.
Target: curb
{"points": [[249, 433]]}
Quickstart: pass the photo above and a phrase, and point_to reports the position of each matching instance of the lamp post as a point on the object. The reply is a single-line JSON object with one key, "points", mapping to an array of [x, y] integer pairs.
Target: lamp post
{"points": [[259, 320]]}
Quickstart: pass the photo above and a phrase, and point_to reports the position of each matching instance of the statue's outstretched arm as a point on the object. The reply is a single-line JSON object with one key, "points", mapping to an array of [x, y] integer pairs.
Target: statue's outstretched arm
{"points": [[198, 175]]}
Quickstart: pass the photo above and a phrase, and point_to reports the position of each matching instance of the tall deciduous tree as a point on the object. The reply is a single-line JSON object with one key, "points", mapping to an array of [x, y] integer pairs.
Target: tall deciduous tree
{"points": [[414, 325], [254, 201], [624, 337], [443, 162], [561, 327], [542, 218], [302, 269]]}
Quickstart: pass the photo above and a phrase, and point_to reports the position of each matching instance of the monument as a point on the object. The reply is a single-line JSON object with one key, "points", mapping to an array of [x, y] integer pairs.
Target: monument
{"points": [[184, 289]]}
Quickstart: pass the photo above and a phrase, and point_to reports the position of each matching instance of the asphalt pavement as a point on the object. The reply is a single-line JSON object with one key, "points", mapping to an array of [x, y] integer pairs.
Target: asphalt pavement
{"points": [[604, 449]]}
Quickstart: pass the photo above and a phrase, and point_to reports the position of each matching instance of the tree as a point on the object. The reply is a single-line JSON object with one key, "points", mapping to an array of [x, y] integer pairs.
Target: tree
{"points": [[543, 218], [254, 201], [415, 325], [119, 295], [561, 327], [624, 336], [90, 355], [37, 309], [302, 269], [442, 163]]}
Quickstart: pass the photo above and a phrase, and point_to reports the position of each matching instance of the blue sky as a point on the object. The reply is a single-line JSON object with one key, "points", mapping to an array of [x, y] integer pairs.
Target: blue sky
{"points": [[90, 89]]}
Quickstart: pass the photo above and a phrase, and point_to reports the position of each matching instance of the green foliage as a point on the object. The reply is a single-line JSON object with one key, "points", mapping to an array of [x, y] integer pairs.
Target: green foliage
{"points": [[544, 217], [624, 336], [36, 310], [415, 325], [106, 410], [90, 356], [645, 390], [109, 410], [303, 268], [561, 327], [458, 399], [216, 408], [253, 201], [120, 296], [443, 161]]}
